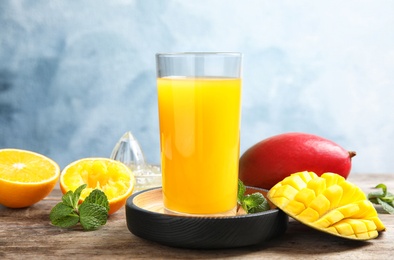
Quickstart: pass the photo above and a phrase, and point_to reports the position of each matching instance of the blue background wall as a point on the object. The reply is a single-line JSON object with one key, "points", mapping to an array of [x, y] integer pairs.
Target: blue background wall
{"points": [[76, 75]]}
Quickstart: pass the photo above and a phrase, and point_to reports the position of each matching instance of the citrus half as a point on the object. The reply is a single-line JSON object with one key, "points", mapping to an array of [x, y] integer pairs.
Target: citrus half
{"points": [[25, 177], [112, 177]]}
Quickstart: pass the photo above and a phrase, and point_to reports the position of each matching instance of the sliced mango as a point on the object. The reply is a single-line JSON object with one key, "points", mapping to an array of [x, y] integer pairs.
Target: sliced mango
{"points": [[328, 203]]}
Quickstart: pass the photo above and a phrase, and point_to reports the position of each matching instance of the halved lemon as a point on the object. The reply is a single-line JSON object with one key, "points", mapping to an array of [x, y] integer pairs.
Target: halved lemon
{"points": [[25, 177], [112, 177]]}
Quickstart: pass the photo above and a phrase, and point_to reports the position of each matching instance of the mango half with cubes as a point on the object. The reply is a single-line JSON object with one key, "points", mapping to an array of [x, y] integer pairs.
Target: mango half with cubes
{"points": [[328, 203]]}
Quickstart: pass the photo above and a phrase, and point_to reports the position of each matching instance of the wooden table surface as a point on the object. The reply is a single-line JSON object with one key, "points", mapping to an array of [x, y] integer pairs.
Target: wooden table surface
{"points": [[28, 234]]}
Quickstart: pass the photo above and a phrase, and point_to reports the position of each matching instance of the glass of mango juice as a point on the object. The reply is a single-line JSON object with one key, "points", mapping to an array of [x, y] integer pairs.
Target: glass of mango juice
{"points": [[199, 100]]}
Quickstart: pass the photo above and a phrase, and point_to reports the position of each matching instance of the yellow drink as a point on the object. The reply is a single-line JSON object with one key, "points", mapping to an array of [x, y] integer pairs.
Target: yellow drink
{"points": [[199, 134]]}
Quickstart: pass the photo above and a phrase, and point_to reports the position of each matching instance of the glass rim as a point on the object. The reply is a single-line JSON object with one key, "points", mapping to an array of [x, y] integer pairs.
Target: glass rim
{"points": [[202, 53]]}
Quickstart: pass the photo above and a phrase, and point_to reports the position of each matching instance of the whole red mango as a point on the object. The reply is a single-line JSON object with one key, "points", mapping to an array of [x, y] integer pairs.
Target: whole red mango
{"points": [[273, 159]]}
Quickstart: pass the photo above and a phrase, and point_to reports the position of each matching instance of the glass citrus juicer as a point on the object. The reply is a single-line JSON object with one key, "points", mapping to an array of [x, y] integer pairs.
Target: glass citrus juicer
{"points": [[128, 151]]}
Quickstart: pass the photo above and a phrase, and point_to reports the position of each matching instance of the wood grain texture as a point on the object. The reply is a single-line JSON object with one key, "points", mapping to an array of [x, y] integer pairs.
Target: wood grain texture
{"points": [[28, 234]]}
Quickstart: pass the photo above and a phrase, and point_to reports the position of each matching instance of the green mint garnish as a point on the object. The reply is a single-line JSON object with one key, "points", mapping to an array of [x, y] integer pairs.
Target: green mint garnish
{"points": [[91, 213], [251, 203], [383, 198]]}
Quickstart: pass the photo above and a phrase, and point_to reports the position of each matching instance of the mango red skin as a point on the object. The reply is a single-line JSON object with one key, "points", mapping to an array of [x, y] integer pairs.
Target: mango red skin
{"points": [[273, 159]]}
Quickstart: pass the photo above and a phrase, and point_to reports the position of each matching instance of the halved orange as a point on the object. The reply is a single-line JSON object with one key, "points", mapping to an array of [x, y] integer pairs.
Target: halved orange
{"points": [[112, 177], [25, 177]]}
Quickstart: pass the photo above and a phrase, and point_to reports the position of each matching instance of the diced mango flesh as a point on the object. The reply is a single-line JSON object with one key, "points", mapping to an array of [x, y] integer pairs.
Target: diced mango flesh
{"points": [[332, 178], [318, 185], [295, 206], [330, 218], [328, 203], [334, 195], [308, 215], [321, 204], [348, 210], [305, 196], [297, 182], [286, 192]]}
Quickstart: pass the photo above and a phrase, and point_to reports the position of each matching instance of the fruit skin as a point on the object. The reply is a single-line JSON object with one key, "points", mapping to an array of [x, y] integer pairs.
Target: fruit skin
{"points": [[18, 195], [273, 159], [24, 194], [115, 203]]}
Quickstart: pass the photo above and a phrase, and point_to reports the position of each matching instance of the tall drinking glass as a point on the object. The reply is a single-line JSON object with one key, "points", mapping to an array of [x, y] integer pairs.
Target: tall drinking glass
{"points": [[199, 98]]}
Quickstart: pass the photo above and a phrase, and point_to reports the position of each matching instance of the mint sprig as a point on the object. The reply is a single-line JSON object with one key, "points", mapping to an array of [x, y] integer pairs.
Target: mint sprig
{"points": [[251, 203], [91, 213], [383, 198]]}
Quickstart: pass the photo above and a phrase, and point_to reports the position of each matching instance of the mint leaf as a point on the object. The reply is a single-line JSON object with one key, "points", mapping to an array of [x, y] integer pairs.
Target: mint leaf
{"points": [[383, 198], [92, 215], [68, 199], [383, 187], [374, 200], [72, 198], [241, 191], [254, 203], [98, 197], [251, 203], [386, 206], [380, 193], [93, 211], [63, 216]]}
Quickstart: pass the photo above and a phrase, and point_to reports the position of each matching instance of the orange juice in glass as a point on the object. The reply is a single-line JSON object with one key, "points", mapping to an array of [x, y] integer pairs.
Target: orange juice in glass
{"points": [[199, 98]]}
